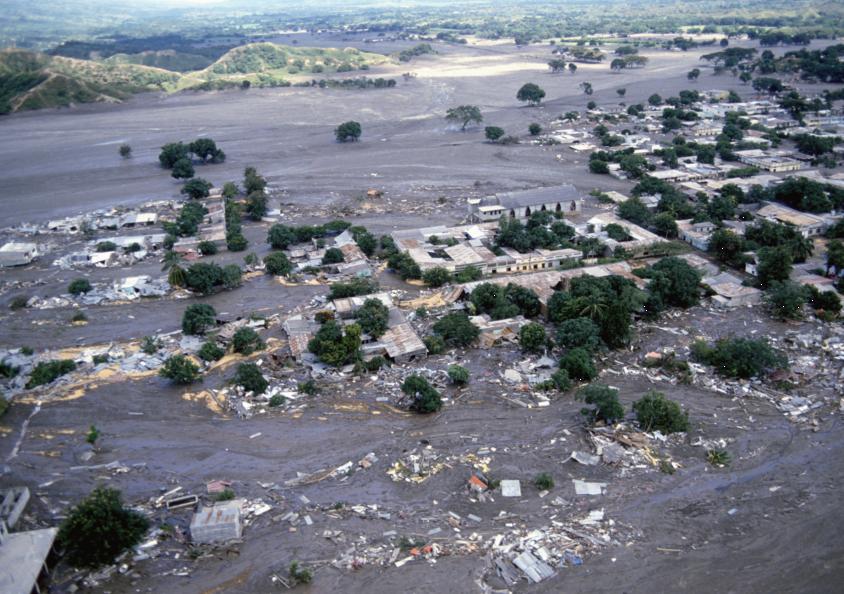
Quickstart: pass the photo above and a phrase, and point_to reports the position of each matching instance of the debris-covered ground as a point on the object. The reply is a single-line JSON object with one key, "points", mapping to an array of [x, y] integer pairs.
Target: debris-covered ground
{"points": [[346, 481]]}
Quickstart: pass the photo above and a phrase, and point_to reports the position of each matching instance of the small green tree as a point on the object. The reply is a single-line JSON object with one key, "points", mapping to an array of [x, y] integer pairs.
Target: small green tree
{"points": [[250, 378], [336, 345], [246, 341], [493, 133], [580, 333], [125, 151], [207, 248], [332, 256], [277, 263], [348, 132], [280, 237], [183, 169], [79, 286], [544, 481], [578, 364], [535, 129], [180, 370], [786, 300], [458, 375], [774, 264], [464, 115], [456, 329], [195, 188], [426, 399], [198, 318], [99, 528], [530, 93], [656, 412], [604, 401], [436, 277], [92, 436], [373, 317], [532, 337], [211, 351]]}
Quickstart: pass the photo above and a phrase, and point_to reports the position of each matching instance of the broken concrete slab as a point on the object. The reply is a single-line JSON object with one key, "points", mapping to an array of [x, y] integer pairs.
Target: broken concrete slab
{"points": [[511, 488], [587, 488]]}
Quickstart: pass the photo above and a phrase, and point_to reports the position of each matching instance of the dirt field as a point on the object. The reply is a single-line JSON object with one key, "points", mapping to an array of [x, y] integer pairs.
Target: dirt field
{"points": [[768, 522]]}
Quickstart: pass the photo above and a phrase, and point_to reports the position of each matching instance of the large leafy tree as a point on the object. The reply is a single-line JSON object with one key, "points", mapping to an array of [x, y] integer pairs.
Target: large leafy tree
{"points": [[464, 115], [530, 93]]}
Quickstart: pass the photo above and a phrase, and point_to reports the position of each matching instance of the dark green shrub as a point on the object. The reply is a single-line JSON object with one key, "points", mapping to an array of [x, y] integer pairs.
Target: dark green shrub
{"points": [[18, 302], [48, 371], [335, 345], [456, 329], [434, 344], [426, 399], [436, 277], [277, 400], [544, 481], [740, 357], [308, 387], [332, 256], [299, 574], [655, 412], [180, 370], [353, 288], [79, 286], [207, 248], [250, 378], [604, 401], [372, 317], [578, 364], [106, 246], [150, 344], [198, 317], [211, 351], [93, 435], [277, 263], [79, 316], [458, 375], [579, 333], [99, 529], [246, 341], [532, 338]]}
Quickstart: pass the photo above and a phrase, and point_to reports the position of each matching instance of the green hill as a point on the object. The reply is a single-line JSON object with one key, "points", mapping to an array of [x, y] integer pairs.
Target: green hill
{"points": [[30, 80]]}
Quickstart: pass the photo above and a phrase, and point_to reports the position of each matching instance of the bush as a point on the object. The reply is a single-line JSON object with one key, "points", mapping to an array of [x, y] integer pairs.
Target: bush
{"points": [[786, 299], [578, 364], [456, 329], [458, 375], [79, 286], [246, 341], [535, 129], [198, 317], [434, 344], [718, 457], [493, 133], [99, 529], [604, 399], [280, 237], [739, 357], [277, 263], [224, 495], [309, 387], [335, 345], [353, 288], [106, 246], [18, 302], [250, 378], [404, 266], [232, 276], [372, 317], [425, 398], [207, 248], [543, 481], [79, 317], [655, 412], [236, 242], [93, 435], [180, 370], [436, 277], [580, 333], [150, 345], [277, 400], [532, 337], [348, 132], [299, 575], [46, 372], [332, 256], [203, 277], [468, 274], [211, 351]]}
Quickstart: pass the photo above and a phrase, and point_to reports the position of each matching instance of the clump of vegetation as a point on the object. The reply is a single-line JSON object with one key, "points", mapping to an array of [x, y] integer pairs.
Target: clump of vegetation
{"points": [[46, 372], [532, 337], [458, 375], [348, 131], [435, 344], [211, 351], [79, 317], [436, 277], [207, 248], [277, 400], [277, 263], [426, 399], [559, 380], [18, 302], [604, 401], [99, 529], [456, 329], [150, 345], [353, 288], [299, 574], [246, 341], [718, 457], [93, 435], [578, 364], [308, 387], [250, 378], [505, 302], [740, 357], [656, 412], [79, 286], [332, 256], [180, 370], [198, 317], [544, 481], [335, 345], [4, 405], [106, 246], [372, 317], [224, 495]]}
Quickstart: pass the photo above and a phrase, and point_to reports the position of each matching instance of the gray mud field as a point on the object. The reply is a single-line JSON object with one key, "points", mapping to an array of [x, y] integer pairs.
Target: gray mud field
{"points": [[771, 521]]}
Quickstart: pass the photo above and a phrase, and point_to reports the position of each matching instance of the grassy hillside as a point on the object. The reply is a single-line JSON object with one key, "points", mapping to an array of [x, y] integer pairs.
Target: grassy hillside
{"points": [[30, 80]]}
